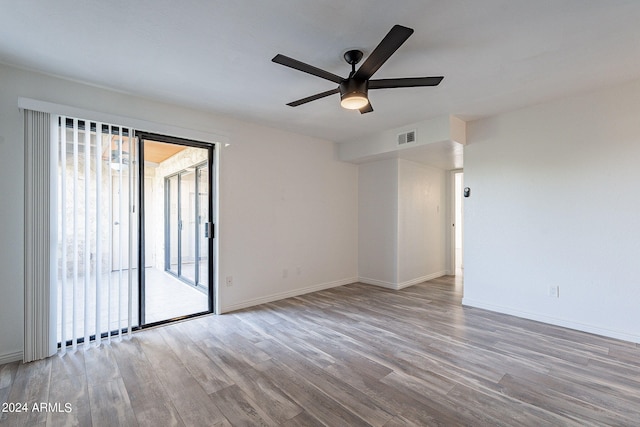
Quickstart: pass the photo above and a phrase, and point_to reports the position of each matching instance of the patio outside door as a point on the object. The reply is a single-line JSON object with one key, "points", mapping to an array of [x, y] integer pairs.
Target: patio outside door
{"points": [[178, 229], [186, 218]]}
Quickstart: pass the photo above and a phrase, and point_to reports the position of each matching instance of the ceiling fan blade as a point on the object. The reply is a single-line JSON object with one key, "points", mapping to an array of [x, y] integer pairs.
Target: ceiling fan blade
{"points": [[306, 68], [391, 42], [313, 97], [366, 109], [405, 82]]}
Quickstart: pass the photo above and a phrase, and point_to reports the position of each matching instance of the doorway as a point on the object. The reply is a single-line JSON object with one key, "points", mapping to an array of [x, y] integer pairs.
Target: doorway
{"points": [[111, 212], [458, 223], [178, 227]]}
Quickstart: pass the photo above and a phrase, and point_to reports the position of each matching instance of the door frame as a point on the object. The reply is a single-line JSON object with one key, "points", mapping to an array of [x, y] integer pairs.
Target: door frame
{"points": [[454, 225], [141, 136]]}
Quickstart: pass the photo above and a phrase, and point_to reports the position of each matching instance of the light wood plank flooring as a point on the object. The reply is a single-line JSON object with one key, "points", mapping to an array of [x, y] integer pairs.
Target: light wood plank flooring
{"points": [[348, 356]]}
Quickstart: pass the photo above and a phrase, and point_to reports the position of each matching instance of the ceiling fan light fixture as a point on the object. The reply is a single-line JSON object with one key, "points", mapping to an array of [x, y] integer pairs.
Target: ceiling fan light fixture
{"points": [[354, 88], [353, 94], [354, 101]]}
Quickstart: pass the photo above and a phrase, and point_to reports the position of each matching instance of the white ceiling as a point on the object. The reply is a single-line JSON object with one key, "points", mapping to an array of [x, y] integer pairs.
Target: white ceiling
{"points": [[496, 55]]}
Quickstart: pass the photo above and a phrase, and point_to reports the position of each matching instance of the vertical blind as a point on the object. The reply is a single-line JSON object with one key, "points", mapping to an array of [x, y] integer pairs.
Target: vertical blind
{"points": [[97, 231], [39, 311]]}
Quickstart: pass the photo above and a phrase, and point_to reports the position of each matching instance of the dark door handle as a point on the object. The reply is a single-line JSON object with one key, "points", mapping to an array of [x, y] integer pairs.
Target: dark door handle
{"points": [[209, 230]]}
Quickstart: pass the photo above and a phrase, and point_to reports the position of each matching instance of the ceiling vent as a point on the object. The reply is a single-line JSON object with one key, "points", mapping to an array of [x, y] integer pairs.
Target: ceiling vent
{"points": [[407, 137]]}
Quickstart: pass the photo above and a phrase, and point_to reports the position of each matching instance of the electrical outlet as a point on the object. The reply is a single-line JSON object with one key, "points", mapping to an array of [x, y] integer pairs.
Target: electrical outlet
{"points": [[285, 273], [554, 291], [229, 280]]}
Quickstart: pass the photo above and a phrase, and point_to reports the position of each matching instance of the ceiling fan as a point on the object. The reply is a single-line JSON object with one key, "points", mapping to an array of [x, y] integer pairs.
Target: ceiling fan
{"points": [[354, 89]]}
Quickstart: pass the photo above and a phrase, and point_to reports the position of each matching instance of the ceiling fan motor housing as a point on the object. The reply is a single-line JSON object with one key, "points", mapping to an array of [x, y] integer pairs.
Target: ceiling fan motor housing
{"points": [[354, 89]]}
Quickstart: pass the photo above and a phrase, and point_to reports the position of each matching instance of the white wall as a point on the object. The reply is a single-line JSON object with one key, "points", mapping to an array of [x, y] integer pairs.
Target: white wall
{"points": [[289, 205], [422, 223], [554, 202], [285, 201], [402, 223], [12, 223], [378, 222], [385, 144]]}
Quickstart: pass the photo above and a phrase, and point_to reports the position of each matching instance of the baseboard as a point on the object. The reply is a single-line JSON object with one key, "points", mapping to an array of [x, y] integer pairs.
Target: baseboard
{"points": [[421, 279], [287, 294], [10, 357], [553, 321], [374, 282], [406, 284]]}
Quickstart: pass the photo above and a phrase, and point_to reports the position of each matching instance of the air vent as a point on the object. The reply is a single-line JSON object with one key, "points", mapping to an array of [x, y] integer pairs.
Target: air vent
{"points": [[407, 137]]}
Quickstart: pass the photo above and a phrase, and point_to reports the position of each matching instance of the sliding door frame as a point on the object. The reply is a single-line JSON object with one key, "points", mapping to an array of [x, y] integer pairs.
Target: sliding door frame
{"points": [[141, 136]]}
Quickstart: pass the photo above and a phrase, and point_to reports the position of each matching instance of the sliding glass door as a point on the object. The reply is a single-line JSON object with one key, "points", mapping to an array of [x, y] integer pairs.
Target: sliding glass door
{"points": [[186, 216], [135, 229], [178, 227]]}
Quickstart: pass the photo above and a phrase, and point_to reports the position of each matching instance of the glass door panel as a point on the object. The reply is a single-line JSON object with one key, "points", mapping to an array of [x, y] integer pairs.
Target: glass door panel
{"points": [[189, 226], [178, 284], [173, 225]]}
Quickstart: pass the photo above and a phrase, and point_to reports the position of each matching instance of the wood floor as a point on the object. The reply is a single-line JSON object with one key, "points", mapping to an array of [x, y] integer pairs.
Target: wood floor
{"points": [[349, 356]]}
